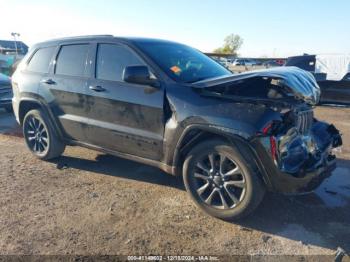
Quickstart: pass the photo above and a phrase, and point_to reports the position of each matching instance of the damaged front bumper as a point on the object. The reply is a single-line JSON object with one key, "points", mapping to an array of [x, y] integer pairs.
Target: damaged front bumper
{"points": [[297, 163]]}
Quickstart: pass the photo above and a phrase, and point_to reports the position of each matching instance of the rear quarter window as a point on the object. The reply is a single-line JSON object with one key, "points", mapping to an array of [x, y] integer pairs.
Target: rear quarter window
{"points": [[40, 61], [72, 60]]}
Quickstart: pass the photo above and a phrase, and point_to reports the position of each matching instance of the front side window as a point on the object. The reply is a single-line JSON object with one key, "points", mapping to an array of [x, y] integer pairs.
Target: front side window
{"points": [[182, 63], [112, 59], [72, 60], [40, 61]]}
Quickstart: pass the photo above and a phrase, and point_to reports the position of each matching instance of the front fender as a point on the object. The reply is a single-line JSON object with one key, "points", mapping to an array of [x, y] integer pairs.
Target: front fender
{"points": [[236, 137]]}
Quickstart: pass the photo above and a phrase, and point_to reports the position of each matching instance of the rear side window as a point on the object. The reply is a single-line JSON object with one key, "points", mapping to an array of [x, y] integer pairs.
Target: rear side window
{"points": [[72, 60], [41, 60], [112, 59]]}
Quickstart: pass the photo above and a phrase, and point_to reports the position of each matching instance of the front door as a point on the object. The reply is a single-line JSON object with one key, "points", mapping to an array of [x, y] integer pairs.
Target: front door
{"points": [[123, 117]]}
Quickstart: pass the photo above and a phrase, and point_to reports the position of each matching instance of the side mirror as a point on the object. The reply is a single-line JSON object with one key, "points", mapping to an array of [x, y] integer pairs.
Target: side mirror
{"points": [[139, 74]]}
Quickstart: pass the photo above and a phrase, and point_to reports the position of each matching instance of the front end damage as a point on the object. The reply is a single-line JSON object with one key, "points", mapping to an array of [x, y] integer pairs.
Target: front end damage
{"points": [[295, 151]]}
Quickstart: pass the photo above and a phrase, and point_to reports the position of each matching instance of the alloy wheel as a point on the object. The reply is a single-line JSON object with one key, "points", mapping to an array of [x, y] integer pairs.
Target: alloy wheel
{"points": [[36, 135], [219, 181]]}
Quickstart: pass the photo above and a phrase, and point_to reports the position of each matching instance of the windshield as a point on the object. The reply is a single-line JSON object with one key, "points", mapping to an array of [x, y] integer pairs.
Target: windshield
{"points": [[183, 63]]}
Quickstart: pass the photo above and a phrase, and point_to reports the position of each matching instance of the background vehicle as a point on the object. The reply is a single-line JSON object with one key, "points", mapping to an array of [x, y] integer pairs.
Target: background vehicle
{"points": [[224, 62], [333, 90], [272, 63], [244, 62], [231, 137], [281, 62], [5, 93]]}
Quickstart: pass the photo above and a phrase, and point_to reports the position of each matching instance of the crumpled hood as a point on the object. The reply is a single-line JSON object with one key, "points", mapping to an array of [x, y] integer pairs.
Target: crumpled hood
{"points": [[300, 82], [5, 81]]}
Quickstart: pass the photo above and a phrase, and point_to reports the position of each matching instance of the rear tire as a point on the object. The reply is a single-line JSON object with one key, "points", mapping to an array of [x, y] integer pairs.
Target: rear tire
{"points": [[40, 137], [221, 181]]}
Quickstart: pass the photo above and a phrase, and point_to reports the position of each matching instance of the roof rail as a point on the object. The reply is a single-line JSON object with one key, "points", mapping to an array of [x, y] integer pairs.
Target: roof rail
{"points": [[82, 36], [77, 37]]}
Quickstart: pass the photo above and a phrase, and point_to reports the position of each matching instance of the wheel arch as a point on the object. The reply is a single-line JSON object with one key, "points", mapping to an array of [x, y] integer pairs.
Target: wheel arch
{"points": [[197, 134], [27, 104]]}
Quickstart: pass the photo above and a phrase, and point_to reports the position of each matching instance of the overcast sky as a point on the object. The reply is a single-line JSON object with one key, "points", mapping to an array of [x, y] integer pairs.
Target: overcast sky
{"points": [[269, 27]]}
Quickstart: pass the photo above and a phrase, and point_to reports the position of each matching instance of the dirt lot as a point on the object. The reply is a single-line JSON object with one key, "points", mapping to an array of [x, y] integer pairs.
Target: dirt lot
{"points": [[91, 203]]}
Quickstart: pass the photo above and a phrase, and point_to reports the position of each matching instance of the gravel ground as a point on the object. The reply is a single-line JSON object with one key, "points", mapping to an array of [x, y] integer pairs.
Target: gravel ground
{"points": [[90, 203]]}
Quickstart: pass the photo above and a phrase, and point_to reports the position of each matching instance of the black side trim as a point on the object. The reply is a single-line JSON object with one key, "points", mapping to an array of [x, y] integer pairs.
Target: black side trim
{"points": [[164, 167]]}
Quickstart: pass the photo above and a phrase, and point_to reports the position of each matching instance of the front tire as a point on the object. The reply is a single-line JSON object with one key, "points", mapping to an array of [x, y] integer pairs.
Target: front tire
{"points": [[221, 181], [40, 136]]}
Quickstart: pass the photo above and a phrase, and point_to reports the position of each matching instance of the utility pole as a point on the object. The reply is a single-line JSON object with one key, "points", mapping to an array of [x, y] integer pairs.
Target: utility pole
{"points": [[14, 37]]}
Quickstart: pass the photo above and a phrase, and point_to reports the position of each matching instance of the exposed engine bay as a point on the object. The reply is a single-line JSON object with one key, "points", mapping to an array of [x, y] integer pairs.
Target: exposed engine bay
{"points": [[288, 84], [299, 144]]}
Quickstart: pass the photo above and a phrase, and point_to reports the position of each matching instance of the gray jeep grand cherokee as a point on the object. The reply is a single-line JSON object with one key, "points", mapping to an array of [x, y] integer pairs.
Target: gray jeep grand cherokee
{"points": [[231, 137]]}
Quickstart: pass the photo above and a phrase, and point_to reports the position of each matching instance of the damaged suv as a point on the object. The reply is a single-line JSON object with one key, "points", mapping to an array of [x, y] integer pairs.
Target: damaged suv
{"points": [[231, 137]]}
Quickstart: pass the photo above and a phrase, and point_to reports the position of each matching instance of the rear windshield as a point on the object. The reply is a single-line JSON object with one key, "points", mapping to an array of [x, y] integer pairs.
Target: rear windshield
{"points": [[183, 63]]}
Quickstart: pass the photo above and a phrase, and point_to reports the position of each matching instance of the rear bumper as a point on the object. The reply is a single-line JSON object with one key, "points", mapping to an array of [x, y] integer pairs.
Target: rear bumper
{"points": [[302, 181], [5, 103], [6, 97]]}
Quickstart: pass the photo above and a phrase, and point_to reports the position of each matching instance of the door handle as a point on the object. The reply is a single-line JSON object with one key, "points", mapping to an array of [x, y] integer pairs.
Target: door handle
{"points": [[97, 88], [48, 81]]}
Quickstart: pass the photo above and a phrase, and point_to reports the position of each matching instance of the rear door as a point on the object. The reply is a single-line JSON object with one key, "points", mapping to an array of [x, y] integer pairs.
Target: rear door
{"points": [[123, 117], [65, 89]]}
